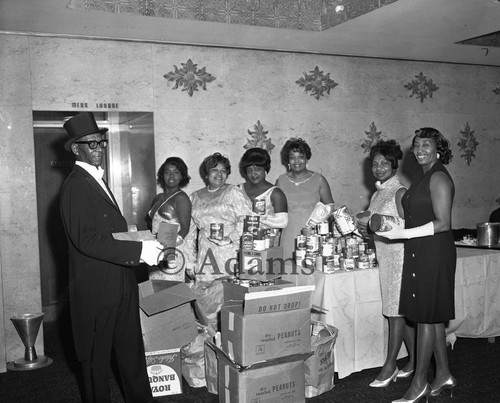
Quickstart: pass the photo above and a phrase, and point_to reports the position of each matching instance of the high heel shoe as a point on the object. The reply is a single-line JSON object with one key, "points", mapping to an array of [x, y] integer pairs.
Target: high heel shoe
{"points": [[449, 384], [405, 374], [382, 384], [425, 393]]}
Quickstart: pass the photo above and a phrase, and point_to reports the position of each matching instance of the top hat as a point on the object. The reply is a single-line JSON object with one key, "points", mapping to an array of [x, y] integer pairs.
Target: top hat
{"points": [[81, 125]]}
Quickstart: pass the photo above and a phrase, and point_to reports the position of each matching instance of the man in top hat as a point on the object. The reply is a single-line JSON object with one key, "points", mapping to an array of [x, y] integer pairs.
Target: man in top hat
{"points": [[103, 290]]}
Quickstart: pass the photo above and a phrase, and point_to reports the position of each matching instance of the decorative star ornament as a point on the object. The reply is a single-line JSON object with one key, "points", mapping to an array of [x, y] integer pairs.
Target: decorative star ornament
{"points": [[468, 144], [317, 83], [421, 87], [373, 137], [189, 77], [259, 138]]}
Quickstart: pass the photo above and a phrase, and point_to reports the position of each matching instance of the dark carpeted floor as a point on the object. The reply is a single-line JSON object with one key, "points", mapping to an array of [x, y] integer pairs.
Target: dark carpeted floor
{"points": [[475, 363]]}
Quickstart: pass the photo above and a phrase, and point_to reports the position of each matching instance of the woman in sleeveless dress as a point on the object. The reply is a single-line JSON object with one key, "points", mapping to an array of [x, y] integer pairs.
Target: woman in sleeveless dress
{"points": [[384, 157], [428, 281], [217, 203], [172, 206], [303, 188], [254, 165]]}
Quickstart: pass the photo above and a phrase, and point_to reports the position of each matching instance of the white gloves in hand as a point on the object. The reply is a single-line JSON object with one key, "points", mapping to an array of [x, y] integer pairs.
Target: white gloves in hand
{"points": [[396, 232], [151, 252]]}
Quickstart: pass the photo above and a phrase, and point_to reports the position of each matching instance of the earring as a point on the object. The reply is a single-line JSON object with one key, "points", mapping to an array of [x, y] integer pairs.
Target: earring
{"points": [[288, 166], [438, 155]]}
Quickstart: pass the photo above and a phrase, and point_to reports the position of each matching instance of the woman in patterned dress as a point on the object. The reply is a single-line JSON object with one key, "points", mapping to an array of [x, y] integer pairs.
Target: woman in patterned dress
{"points": [[384, 157], [172, 206], [217, 203], [254, 165], [428, 281], [303, 188]]}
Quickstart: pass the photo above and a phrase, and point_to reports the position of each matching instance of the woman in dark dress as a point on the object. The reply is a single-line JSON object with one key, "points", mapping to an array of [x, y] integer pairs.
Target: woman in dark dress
{"points": [[428, 282]]}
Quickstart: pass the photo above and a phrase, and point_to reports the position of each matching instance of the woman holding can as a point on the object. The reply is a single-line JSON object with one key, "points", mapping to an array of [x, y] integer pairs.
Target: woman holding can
{"points": [[218, 211], [384, 157], [265, 199], [428, 281], [303, 188], [172, 206]]}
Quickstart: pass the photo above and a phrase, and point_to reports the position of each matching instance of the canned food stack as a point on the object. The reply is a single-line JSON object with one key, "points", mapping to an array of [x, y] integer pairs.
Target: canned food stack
{"points": [[319, 249], [260, 259]]}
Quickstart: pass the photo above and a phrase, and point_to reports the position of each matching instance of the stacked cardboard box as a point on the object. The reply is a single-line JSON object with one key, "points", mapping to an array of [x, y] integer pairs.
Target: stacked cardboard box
{"points": [[168, 323], [265, 338]]}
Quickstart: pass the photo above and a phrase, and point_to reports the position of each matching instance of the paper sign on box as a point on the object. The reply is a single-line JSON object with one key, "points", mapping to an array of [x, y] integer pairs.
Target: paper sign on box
{"points": [[164, 372]]}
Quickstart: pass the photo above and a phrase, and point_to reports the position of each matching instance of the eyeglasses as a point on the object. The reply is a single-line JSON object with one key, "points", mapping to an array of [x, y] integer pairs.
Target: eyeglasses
{"points": [[93, 143]]}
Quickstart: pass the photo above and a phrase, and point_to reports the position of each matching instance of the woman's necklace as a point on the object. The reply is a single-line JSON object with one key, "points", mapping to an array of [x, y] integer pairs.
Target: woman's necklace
{"points": [[299, 182], [212, 190]]}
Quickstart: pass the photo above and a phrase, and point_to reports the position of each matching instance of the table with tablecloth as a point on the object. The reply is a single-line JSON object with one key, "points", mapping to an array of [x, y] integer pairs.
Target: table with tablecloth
{"points": [[353, 305]]}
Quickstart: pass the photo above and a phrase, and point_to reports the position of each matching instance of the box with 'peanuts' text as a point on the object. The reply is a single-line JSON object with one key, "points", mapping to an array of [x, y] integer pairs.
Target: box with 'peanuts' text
{"points": [[248, 339]]}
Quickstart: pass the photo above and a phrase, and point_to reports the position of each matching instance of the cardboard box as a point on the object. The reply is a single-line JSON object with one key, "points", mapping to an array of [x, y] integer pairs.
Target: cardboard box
{"points": [[248, 339], [262, 265], [164, 372], [281, 300], [279, 380], [167, 318], [236, 292]]}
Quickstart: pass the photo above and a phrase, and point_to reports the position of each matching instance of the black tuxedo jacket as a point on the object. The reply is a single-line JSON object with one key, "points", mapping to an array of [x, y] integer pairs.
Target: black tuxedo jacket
{"points": [[100, 267]]}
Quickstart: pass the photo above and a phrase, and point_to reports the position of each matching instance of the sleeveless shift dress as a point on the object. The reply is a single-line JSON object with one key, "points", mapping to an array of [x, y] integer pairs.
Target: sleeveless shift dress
{"points": [[428, 282]]}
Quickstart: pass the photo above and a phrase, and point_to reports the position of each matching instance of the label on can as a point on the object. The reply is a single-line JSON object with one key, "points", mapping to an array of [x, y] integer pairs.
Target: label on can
{"points": [[247, 241], [312, 244], [344, 220], [301, 241], [327, 249], [259, 206], [300, 255], [382, 222], [217, 231], [251, 223], [323, 228]]}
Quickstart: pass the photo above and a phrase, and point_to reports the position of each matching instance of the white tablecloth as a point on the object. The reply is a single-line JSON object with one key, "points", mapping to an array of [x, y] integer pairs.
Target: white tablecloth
{"points": [[477, 294], [354, 307]]}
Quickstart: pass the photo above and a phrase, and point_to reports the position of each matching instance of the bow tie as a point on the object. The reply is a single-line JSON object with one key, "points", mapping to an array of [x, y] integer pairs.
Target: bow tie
{"points": [[99, 173]]}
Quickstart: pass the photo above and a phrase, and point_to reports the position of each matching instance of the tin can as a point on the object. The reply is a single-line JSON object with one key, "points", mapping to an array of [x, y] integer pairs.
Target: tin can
{"points": [[371, 257], [381, 222], [251, 223], [259, 244], [327, 249], [344, 220], [247, 241], [259, 206], [217, 231], [329, 265], [348, 264], [301, 242], [310, 260], [306, 231], [300, 255], [312, 244], [362, 247], [323, 228]]}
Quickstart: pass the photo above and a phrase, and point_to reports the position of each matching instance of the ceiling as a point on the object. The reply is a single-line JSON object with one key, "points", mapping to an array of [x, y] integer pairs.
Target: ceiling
{"points": [[453, 31]]}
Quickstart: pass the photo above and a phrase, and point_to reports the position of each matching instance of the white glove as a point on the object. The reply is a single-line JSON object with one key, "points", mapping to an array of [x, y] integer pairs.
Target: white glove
{"points": [[151, 252], [277, 220], [179, 241], [396, 232]]}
